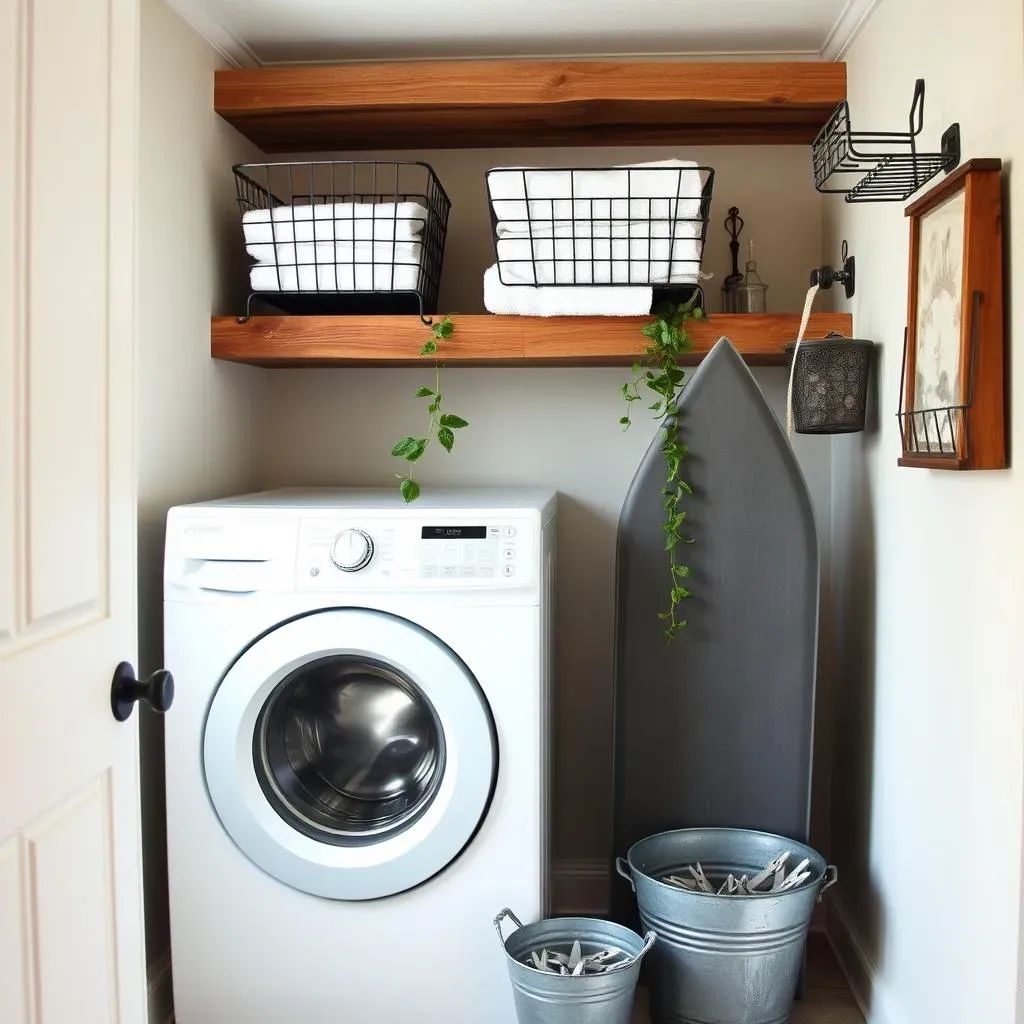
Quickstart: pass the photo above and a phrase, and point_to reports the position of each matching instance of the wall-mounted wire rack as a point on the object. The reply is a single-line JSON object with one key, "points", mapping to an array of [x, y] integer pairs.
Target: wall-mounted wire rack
{"points": [[878, 167], [941, 434]]}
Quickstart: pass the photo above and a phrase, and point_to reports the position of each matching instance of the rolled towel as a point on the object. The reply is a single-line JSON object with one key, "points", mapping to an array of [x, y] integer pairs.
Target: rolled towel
{"points": [[526, 300], [381, 222]]}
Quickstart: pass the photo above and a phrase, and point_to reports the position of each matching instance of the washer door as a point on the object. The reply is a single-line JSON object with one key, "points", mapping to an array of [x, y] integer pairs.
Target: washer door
{"points": [[350, 753]]}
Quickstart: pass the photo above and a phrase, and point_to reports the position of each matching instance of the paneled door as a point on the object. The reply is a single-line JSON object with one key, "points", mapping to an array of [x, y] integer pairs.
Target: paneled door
{"points": [[70, 874]]}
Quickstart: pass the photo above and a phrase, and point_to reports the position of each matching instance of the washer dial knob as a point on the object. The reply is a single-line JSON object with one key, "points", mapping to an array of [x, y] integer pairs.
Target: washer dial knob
{"points": [[352, 550]]}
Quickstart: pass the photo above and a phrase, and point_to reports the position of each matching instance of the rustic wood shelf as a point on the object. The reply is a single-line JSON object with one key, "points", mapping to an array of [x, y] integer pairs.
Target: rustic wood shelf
{"points": [[486, 340], [473, 104]]}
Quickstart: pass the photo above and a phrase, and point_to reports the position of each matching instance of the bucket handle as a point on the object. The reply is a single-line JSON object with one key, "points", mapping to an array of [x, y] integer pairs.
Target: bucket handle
{"points": [[622, 867], [501, 917], [648, 942], [831, 877]]}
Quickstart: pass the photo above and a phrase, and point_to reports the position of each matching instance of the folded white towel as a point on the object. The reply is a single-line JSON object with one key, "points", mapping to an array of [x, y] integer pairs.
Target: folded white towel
{"points": [[585, 228], [665, 188], [380, 222], [598, 261], [525, 300], [288, 254], [342, 277]]}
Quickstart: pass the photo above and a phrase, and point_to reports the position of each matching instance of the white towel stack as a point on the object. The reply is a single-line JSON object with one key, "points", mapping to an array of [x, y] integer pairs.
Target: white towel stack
{"points": [[335, 247], [633, 226]]}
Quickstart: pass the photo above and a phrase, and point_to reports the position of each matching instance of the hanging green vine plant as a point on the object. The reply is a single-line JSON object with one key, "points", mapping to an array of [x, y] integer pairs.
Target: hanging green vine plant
{"points": [[441, 426], [662, 376]]}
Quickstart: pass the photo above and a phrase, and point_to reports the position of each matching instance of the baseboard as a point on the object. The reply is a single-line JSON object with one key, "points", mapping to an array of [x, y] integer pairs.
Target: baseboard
{"points": [[859, 966], [158, 990], [580, 887]]}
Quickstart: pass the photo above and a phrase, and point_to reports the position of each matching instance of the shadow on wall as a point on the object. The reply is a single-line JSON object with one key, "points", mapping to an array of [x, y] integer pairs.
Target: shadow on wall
{"points": [[854, 638]]}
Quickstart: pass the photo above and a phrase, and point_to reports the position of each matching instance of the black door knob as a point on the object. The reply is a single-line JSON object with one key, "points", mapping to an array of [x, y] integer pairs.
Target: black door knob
{"points": [[125, 690]]}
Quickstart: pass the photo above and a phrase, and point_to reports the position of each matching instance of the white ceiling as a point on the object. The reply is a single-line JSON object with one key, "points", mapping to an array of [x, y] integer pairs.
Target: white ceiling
{"points": [[257, 32]]}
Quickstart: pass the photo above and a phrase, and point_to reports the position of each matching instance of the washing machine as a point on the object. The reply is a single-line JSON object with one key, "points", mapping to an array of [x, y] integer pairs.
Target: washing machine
{"points": [[357, 757]]}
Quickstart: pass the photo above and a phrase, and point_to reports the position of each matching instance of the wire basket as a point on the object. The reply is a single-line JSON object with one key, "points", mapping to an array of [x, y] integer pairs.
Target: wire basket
{"points": [[871, 167], [343, 236], [830, 384], [643, 225]]}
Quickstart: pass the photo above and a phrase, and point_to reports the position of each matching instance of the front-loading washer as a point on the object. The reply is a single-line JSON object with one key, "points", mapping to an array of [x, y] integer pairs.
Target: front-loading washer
{"points": [[357, 758]]}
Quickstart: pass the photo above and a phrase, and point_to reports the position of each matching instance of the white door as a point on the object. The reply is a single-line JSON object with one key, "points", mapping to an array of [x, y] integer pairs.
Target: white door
{"points": [[70, 892]]}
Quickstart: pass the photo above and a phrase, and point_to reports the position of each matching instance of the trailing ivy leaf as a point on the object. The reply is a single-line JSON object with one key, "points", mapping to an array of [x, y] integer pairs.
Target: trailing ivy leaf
{"points": [[445, 329], [410, 489], [446, 437], [682, 571], [416, 452], [403, 447], [455, 422], [423, 392], [434, 406], [650, 330], [680, 594], [429, 348], [624, 420], [684, 487]]}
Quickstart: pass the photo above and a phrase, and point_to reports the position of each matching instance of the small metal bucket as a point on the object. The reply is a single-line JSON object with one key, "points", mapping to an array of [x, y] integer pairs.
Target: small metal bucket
{"points": [[727, 959], [545, 998]]}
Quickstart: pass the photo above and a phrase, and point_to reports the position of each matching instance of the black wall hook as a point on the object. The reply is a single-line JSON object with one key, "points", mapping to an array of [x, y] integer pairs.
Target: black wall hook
{"points": [[827, 276]]}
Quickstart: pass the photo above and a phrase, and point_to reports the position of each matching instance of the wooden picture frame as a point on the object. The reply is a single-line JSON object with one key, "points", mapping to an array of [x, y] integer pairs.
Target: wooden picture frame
{"points": [[952, 395]]}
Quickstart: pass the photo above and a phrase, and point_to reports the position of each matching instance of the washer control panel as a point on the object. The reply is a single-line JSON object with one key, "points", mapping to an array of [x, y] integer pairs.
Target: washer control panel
{"points": [[344, 553]]}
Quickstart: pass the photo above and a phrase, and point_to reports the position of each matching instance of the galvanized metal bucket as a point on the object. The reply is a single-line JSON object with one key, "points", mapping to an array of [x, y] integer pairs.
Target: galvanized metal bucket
{"points": [[723, 959], [545, 998]]}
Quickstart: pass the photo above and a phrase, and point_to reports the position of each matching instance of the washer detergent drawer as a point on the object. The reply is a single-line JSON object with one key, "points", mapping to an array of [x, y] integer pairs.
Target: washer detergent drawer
{"points": [[350, 753]]}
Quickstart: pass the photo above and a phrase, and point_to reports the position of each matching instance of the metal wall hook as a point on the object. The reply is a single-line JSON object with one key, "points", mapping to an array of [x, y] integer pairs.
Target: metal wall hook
{"points": [[826, 276]]}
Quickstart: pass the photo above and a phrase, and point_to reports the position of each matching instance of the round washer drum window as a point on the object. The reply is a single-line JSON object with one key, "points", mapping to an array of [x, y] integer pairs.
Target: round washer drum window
{"points": [[348, 750]]}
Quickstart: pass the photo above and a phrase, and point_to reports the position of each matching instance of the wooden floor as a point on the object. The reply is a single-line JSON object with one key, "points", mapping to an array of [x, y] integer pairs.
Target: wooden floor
{"points": [[827, 998]]}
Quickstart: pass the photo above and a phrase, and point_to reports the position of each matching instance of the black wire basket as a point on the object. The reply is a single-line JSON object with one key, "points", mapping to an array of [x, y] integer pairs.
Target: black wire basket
{"points": [[343, 236], [830, 384], [873, 167], [605, 226]]}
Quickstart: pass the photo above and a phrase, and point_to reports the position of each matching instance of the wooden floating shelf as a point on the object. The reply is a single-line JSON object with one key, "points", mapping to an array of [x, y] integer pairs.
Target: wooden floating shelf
{"points": [[474, 104], [486, 340]]}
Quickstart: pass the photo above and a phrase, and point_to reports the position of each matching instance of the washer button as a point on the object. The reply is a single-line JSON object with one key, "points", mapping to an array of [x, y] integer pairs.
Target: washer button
{"points": [[508, 570], [508, 554], [510, 531], [450, 570]]}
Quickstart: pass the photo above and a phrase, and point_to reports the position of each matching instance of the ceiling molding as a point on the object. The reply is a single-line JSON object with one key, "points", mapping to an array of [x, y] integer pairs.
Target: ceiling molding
{"points": [[700, 55], [847, 27], [223, 40]]}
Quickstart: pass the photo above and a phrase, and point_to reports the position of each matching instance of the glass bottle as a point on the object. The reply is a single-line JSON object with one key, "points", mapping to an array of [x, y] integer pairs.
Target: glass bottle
{"points": [[751, 295]]}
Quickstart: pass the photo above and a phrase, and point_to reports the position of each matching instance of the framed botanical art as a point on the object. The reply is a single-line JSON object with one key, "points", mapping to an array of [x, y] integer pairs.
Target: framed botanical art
{"points": [[952, 397]]}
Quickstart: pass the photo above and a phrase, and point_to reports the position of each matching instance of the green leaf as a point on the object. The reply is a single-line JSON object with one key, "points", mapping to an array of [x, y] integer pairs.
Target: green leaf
{"points": [[434, 405], [410, 489], [453, 421], [445, 329], [423, 392], [429, 348], [651, 330], [684, 487], [680, 594], [416, 452], [403, 447], [635, 369], [446, 437], [682, 571], [698, 314], [624, 420]]}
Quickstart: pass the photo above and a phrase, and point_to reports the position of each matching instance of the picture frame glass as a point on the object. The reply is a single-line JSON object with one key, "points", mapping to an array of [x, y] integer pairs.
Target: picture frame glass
{"points": [[937, 342]]}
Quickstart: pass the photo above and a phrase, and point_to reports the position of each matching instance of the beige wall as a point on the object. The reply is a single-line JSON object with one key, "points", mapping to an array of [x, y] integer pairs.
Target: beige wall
{"points": [[198, 420], [929, 585], [554, 427]]}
